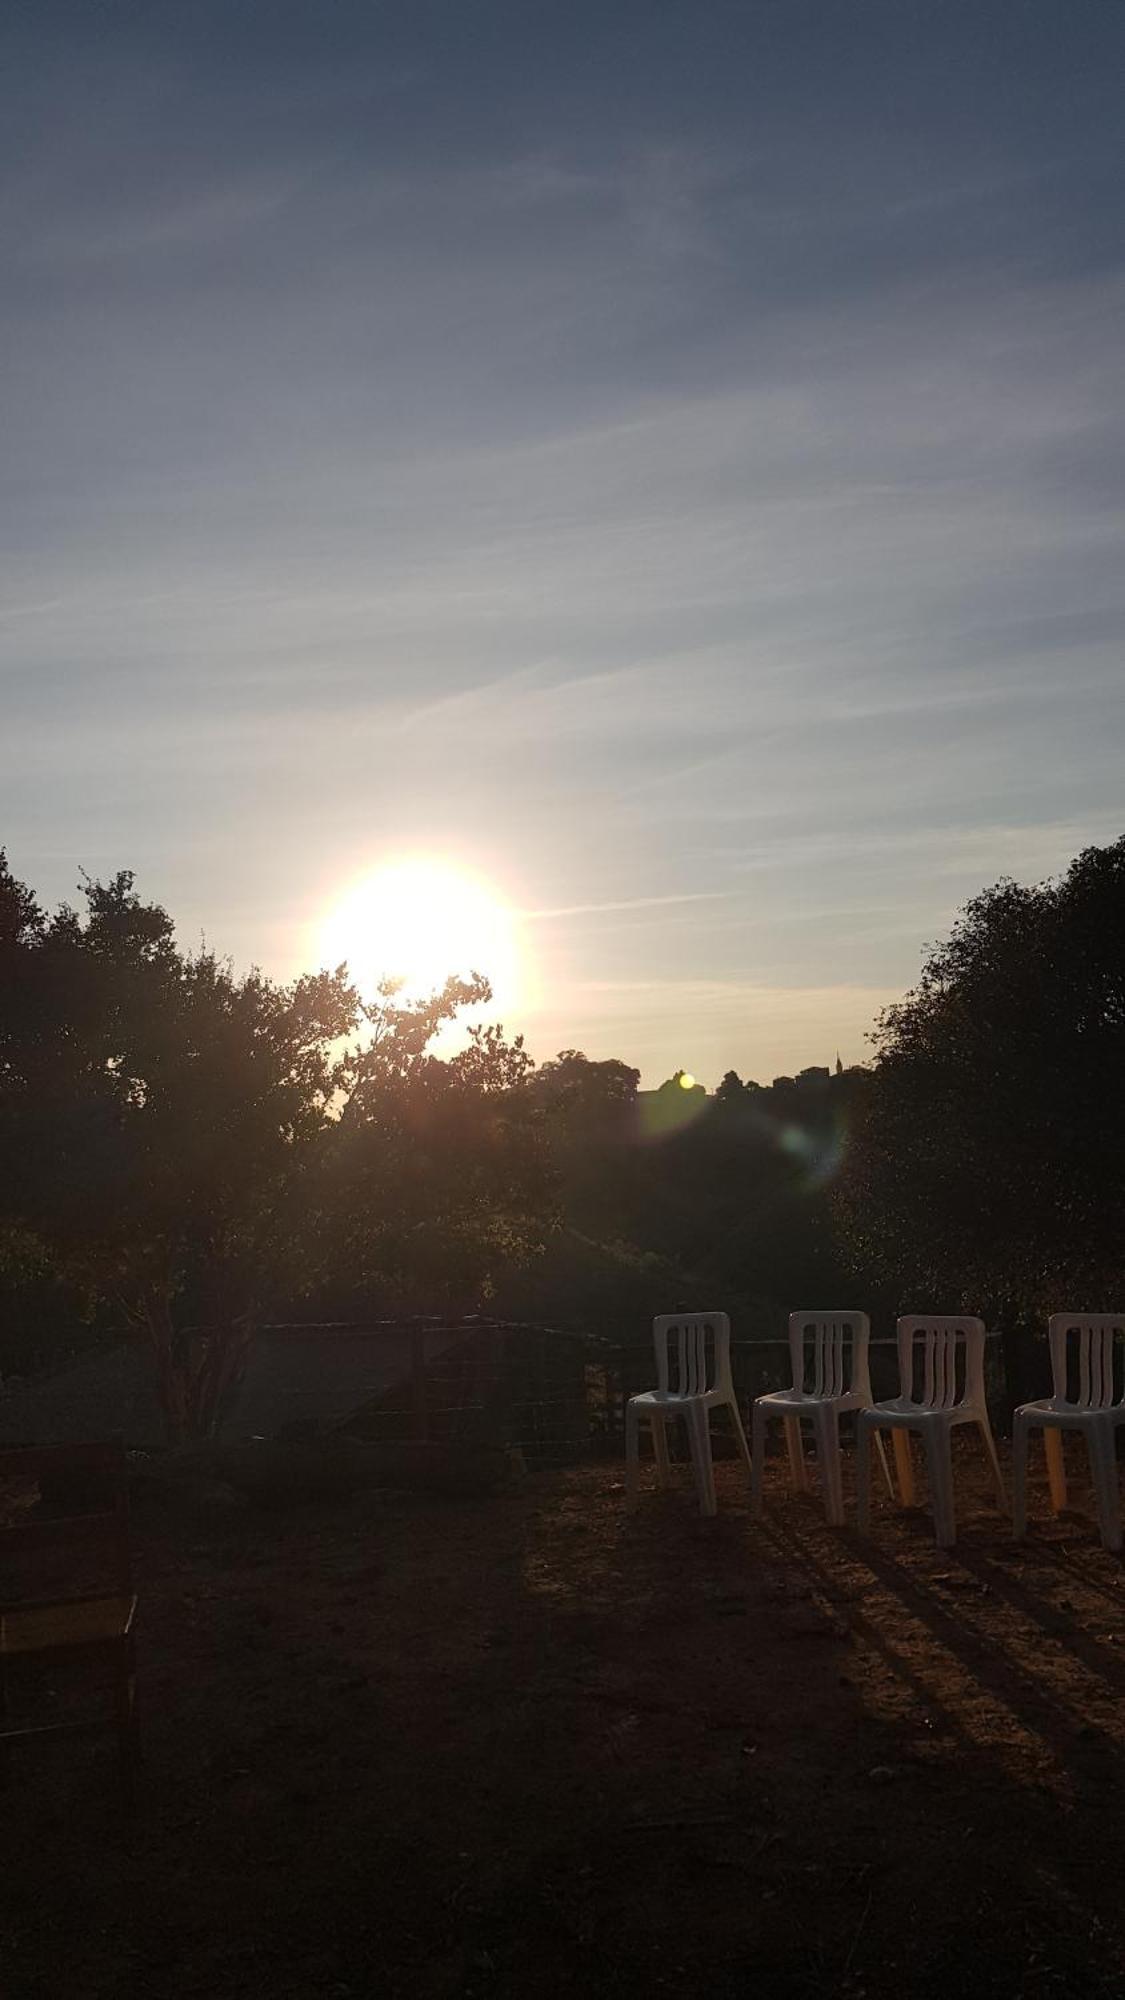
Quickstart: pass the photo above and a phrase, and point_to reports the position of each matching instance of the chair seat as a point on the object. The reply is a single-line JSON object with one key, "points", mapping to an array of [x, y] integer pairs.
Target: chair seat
{"points": [[795, 1401], [1048, 1411], [902, 1414], [49, 1628], [670, 1399]]}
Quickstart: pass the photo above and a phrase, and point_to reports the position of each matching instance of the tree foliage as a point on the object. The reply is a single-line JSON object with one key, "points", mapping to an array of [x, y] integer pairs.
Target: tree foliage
{"points": [[725, 1201], [986, 1164], [194, 1145], [439, 1174], [201, 1148], [580, 1093], [159, 1118]]}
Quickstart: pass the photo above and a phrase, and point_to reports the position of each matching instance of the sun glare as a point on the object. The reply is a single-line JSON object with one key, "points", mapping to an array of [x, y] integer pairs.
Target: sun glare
{"points": [[418, 921]]}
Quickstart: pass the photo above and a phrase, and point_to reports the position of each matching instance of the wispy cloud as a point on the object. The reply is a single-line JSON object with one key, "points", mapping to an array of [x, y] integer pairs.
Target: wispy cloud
{"points": [[698, 505], [627, 903]]}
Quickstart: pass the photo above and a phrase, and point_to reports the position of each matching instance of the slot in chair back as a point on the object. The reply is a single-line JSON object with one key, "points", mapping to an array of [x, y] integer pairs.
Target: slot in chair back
{"points": [[1088, 1359], [941, 1361], [693, 1354], [829, 1354]]}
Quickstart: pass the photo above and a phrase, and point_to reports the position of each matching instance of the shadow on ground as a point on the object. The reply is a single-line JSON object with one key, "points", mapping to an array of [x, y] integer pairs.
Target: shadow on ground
{"points": [[538, 1744]]}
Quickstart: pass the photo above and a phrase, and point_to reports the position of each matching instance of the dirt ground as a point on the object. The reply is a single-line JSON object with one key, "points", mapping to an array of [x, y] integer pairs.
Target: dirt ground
{"points": [[540, 1745]]}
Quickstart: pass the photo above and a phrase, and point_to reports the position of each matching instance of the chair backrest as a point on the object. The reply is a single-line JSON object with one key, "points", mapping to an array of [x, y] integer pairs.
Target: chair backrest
{"points": [[829, 1353], [692, 1352], [62, 1505], [1088, 1359], [950, 1351]]}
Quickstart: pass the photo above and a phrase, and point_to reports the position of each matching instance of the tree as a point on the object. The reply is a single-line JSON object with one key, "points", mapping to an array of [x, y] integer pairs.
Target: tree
{"points": [[578, 1090], [159, 1121], [197, 1146], [731, 1089], [439, 1173], [681, 1080], [985, 1167]]}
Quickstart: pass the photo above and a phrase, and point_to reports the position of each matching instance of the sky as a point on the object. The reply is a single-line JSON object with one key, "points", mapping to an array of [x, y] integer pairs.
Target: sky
{"points": [[664, 459]]}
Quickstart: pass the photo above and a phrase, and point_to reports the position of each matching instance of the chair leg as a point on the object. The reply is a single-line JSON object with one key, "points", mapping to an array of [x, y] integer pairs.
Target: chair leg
{"points": [[1020, 1432], [939, 1465], [882, 1451], [699, 1434], [660, 1451], [757, 1455], [826, 1429], [904, 1467], [1103, 1464], [985, 1429], [1056, 1466], [863, 1430], [632, 1452], [798, 1471], [740, 1436]]}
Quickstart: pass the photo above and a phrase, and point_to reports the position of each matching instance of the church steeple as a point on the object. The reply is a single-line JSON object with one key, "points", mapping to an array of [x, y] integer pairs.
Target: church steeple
{"points": [[839, 1064]]}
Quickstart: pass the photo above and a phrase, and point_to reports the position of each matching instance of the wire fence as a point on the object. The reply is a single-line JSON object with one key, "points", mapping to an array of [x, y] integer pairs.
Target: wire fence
{"points": [[549, 1392]]}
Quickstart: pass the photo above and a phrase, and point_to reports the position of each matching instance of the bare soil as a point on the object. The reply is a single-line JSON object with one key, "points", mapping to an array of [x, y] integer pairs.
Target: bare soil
{"points": [[540, 1745]]}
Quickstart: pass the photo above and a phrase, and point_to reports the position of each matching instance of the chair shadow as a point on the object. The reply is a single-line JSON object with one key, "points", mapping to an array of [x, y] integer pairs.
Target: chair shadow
{"points": [[1074, 1743], [995, 1575]]}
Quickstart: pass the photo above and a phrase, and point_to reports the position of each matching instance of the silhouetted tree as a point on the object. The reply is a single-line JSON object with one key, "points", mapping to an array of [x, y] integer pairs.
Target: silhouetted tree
{"points": [[439, 1172], [679, 1081], [197, 1146], [986, 1165], [572, 1087], [731, 1089], [158, 1122]]}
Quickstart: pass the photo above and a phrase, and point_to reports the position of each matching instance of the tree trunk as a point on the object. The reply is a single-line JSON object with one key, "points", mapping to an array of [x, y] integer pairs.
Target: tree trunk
{"points": [[221, 1361], [197, 1369], [156, 1316]]}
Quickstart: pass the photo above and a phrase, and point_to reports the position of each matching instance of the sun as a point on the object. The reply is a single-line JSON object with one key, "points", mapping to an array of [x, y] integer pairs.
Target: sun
{"points": [[418, 921]]}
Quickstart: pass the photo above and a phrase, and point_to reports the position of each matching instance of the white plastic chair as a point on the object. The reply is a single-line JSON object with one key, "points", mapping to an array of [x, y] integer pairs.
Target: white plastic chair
{"points": [[693, 1378], [1092, 1342], [828, 1351], [952, 1392]]}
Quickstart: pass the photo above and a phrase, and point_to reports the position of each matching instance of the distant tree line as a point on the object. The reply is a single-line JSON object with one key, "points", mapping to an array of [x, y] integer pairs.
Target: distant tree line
{"points": [[184, 1151]]}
